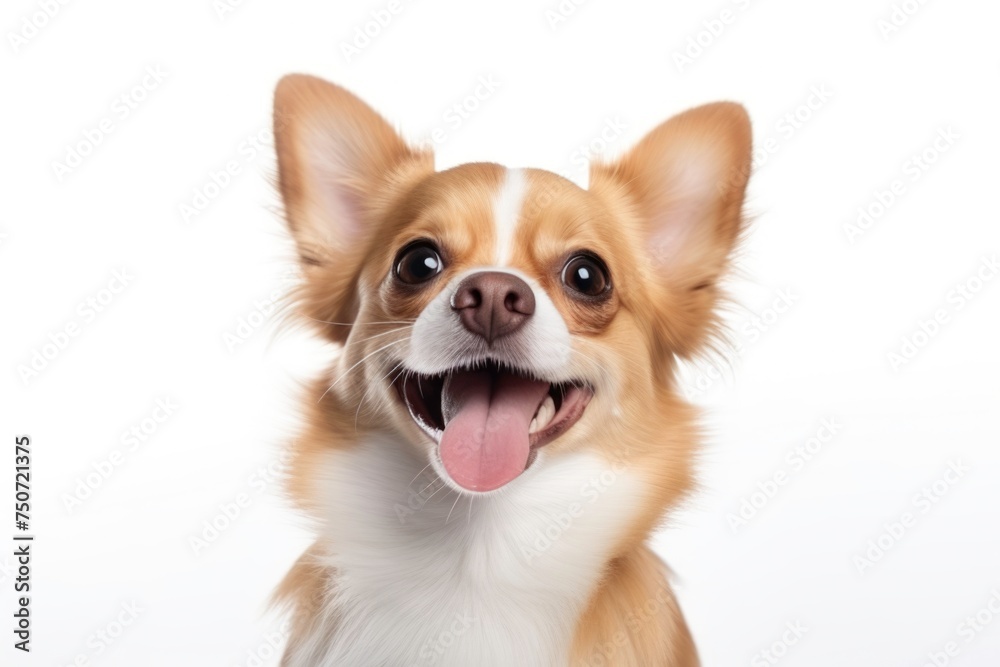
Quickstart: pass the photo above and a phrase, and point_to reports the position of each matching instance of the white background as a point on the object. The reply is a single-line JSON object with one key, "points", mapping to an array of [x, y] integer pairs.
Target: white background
{"points": [[887, 94]]}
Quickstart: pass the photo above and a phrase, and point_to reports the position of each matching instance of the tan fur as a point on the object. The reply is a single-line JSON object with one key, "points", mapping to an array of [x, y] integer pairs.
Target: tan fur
{"points": [[662, 305], [633, 619], [303, 592]]}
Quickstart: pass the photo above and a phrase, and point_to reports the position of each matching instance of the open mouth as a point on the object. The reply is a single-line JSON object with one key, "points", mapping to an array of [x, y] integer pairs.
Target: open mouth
{"points": [[489, 420]]}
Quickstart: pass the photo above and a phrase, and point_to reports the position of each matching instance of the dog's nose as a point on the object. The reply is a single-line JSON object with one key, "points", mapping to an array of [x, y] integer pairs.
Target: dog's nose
{"points": [[493, 304]]}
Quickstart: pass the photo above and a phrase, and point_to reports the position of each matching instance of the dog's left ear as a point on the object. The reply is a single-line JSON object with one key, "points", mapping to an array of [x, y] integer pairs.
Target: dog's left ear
{"points": [[682, 189]]}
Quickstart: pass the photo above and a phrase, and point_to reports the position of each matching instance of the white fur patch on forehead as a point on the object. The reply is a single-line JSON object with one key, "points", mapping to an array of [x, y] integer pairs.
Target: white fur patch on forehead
{"points": [[507, 211]]}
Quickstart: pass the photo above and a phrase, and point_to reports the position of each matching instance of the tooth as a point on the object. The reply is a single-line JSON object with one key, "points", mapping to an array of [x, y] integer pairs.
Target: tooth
{"points": [[533, 426], [546, 411]]}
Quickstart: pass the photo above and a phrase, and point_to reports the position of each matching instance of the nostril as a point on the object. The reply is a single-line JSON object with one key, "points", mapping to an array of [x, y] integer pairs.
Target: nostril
{"points": [[512, 302], [520, 302], [469, 297]]}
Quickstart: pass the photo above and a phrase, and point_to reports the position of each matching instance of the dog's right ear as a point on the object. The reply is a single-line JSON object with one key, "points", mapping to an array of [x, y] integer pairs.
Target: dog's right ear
{"points": [[340, 166]]}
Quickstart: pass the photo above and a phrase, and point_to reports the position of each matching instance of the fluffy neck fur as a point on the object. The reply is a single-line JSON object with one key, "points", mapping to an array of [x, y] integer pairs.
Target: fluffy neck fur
{"points": [[425, 577]]}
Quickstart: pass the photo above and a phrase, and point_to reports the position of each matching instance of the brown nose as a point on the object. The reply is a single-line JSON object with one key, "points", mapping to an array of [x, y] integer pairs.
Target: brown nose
{"points": [[492, 304]]}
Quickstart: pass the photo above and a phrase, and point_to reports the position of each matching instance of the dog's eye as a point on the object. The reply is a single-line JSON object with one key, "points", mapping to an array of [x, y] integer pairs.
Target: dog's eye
{"points": [[586, 275], [418, 263]]}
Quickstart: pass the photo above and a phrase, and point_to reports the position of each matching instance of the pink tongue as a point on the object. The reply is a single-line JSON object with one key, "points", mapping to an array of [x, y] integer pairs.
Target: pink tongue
{"points": [[486, 416]]}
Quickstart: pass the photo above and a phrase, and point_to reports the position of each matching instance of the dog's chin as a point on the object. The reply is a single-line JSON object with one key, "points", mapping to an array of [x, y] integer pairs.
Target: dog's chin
{"points": [[488, 421]]}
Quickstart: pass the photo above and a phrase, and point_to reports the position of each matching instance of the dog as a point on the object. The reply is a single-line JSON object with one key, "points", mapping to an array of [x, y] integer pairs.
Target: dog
{"points": [[501, 428]]}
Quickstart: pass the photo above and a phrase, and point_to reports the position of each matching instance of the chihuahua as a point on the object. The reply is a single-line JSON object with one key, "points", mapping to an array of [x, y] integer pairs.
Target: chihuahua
{"points": [[501, 429]]}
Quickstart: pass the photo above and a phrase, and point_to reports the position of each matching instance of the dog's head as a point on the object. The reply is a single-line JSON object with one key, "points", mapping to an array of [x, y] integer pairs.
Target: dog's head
{"points": [[495, 317]]}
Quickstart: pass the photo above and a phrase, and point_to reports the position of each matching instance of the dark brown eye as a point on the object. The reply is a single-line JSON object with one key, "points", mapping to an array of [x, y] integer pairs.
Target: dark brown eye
{"points": [[418, 263], [586, 275]]}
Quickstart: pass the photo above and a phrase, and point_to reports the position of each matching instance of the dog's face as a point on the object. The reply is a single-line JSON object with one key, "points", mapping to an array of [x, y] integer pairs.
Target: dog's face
{"points": [[497, 317]]}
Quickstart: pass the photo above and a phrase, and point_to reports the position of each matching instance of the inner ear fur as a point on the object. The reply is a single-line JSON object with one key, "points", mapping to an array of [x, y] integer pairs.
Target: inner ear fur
{"points": [[681, 192]]}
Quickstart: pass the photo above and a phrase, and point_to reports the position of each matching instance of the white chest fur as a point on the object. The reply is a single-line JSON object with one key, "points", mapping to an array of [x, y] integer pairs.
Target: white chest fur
{"points": [[490, 580]]}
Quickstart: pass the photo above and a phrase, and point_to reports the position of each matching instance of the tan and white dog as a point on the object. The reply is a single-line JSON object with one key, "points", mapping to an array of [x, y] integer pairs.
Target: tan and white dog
{"points": [[501, 430]]}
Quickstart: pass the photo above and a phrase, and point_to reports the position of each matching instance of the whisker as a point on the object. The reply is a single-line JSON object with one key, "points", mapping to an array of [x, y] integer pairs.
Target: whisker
{"points": [[348, 371], [431, 483], [443, 485], [373, 385], [384, 333], [418, 475], [365, 358], [351, 324], [458, 496]]}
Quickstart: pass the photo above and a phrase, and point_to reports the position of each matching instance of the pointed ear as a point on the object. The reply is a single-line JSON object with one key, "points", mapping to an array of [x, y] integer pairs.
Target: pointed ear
{"points": [[683, 187], [340, 166], [337, 161]]}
